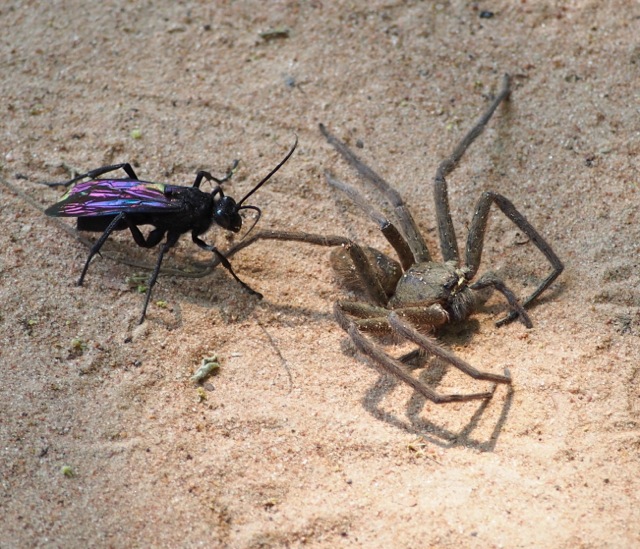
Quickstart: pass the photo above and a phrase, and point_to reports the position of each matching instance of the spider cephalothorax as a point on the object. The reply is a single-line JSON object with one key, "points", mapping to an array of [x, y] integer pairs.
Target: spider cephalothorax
{"points": [[434, 283]]}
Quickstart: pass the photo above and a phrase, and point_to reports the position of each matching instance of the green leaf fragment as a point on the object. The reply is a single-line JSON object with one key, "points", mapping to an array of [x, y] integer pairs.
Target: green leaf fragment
{"points": [[67, 471], [277, 33], [209, 366]]}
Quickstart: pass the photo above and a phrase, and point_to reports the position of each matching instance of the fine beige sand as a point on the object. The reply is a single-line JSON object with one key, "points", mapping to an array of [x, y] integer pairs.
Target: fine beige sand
{"points": [[299, 441]]}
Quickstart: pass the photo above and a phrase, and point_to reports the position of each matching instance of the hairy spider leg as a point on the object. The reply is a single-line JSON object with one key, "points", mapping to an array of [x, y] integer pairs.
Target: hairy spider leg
{"points": [[448, 241], [413, 236], [432, 347], [373, 319], [370, 280], [396, 367], [475, 243], [388, 229]]}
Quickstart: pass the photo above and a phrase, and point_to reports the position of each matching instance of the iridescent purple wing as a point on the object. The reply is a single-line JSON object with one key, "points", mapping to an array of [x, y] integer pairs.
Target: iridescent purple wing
{"points": [[113, 196]]}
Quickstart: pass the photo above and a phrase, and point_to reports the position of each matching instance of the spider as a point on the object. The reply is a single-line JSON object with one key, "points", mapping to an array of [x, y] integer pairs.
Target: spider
{"points": [[418, 291]]}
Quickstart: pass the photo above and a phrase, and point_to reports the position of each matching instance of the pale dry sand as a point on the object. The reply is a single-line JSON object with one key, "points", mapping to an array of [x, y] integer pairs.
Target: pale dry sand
{"points": [[299, 441]]}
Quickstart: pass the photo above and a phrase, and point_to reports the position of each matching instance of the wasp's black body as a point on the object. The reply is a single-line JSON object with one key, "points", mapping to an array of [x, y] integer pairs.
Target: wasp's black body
{"points": [[107, 205]]}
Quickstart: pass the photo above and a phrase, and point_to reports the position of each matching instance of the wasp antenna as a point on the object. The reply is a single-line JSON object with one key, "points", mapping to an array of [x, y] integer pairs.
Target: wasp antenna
{"points": [[271, 173], [255, 222]]}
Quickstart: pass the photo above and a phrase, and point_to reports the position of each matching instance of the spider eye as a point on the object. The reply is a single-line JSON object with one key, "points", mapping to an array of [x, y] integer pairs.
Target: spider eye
{"points": [[455, 284], [451, 283]]}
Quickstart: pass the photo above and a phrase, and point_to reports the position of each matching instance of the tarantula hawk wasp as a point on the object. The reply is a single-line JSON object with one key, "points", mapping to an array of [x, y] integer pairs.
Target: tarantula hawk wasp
{"points": [[109, 205], [418, 291]]}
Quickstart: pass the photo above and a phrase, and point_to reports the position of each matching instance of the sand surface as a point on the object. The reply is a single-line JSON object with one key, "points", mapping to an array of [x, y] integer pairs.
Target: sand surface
{"points": [[298, 440]]}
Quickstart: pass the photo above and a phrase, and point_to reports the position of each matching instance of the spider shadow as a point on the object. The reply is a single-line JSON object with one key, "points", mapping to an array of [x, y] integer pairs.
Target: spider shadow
{"points": [[433, 372], [429, 430]]}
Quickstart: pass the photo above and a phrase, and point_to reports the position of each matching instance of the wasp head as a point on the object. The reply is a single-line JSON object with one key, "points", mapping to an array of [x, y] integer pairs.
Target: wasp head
{"points": [[226, 214]]}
